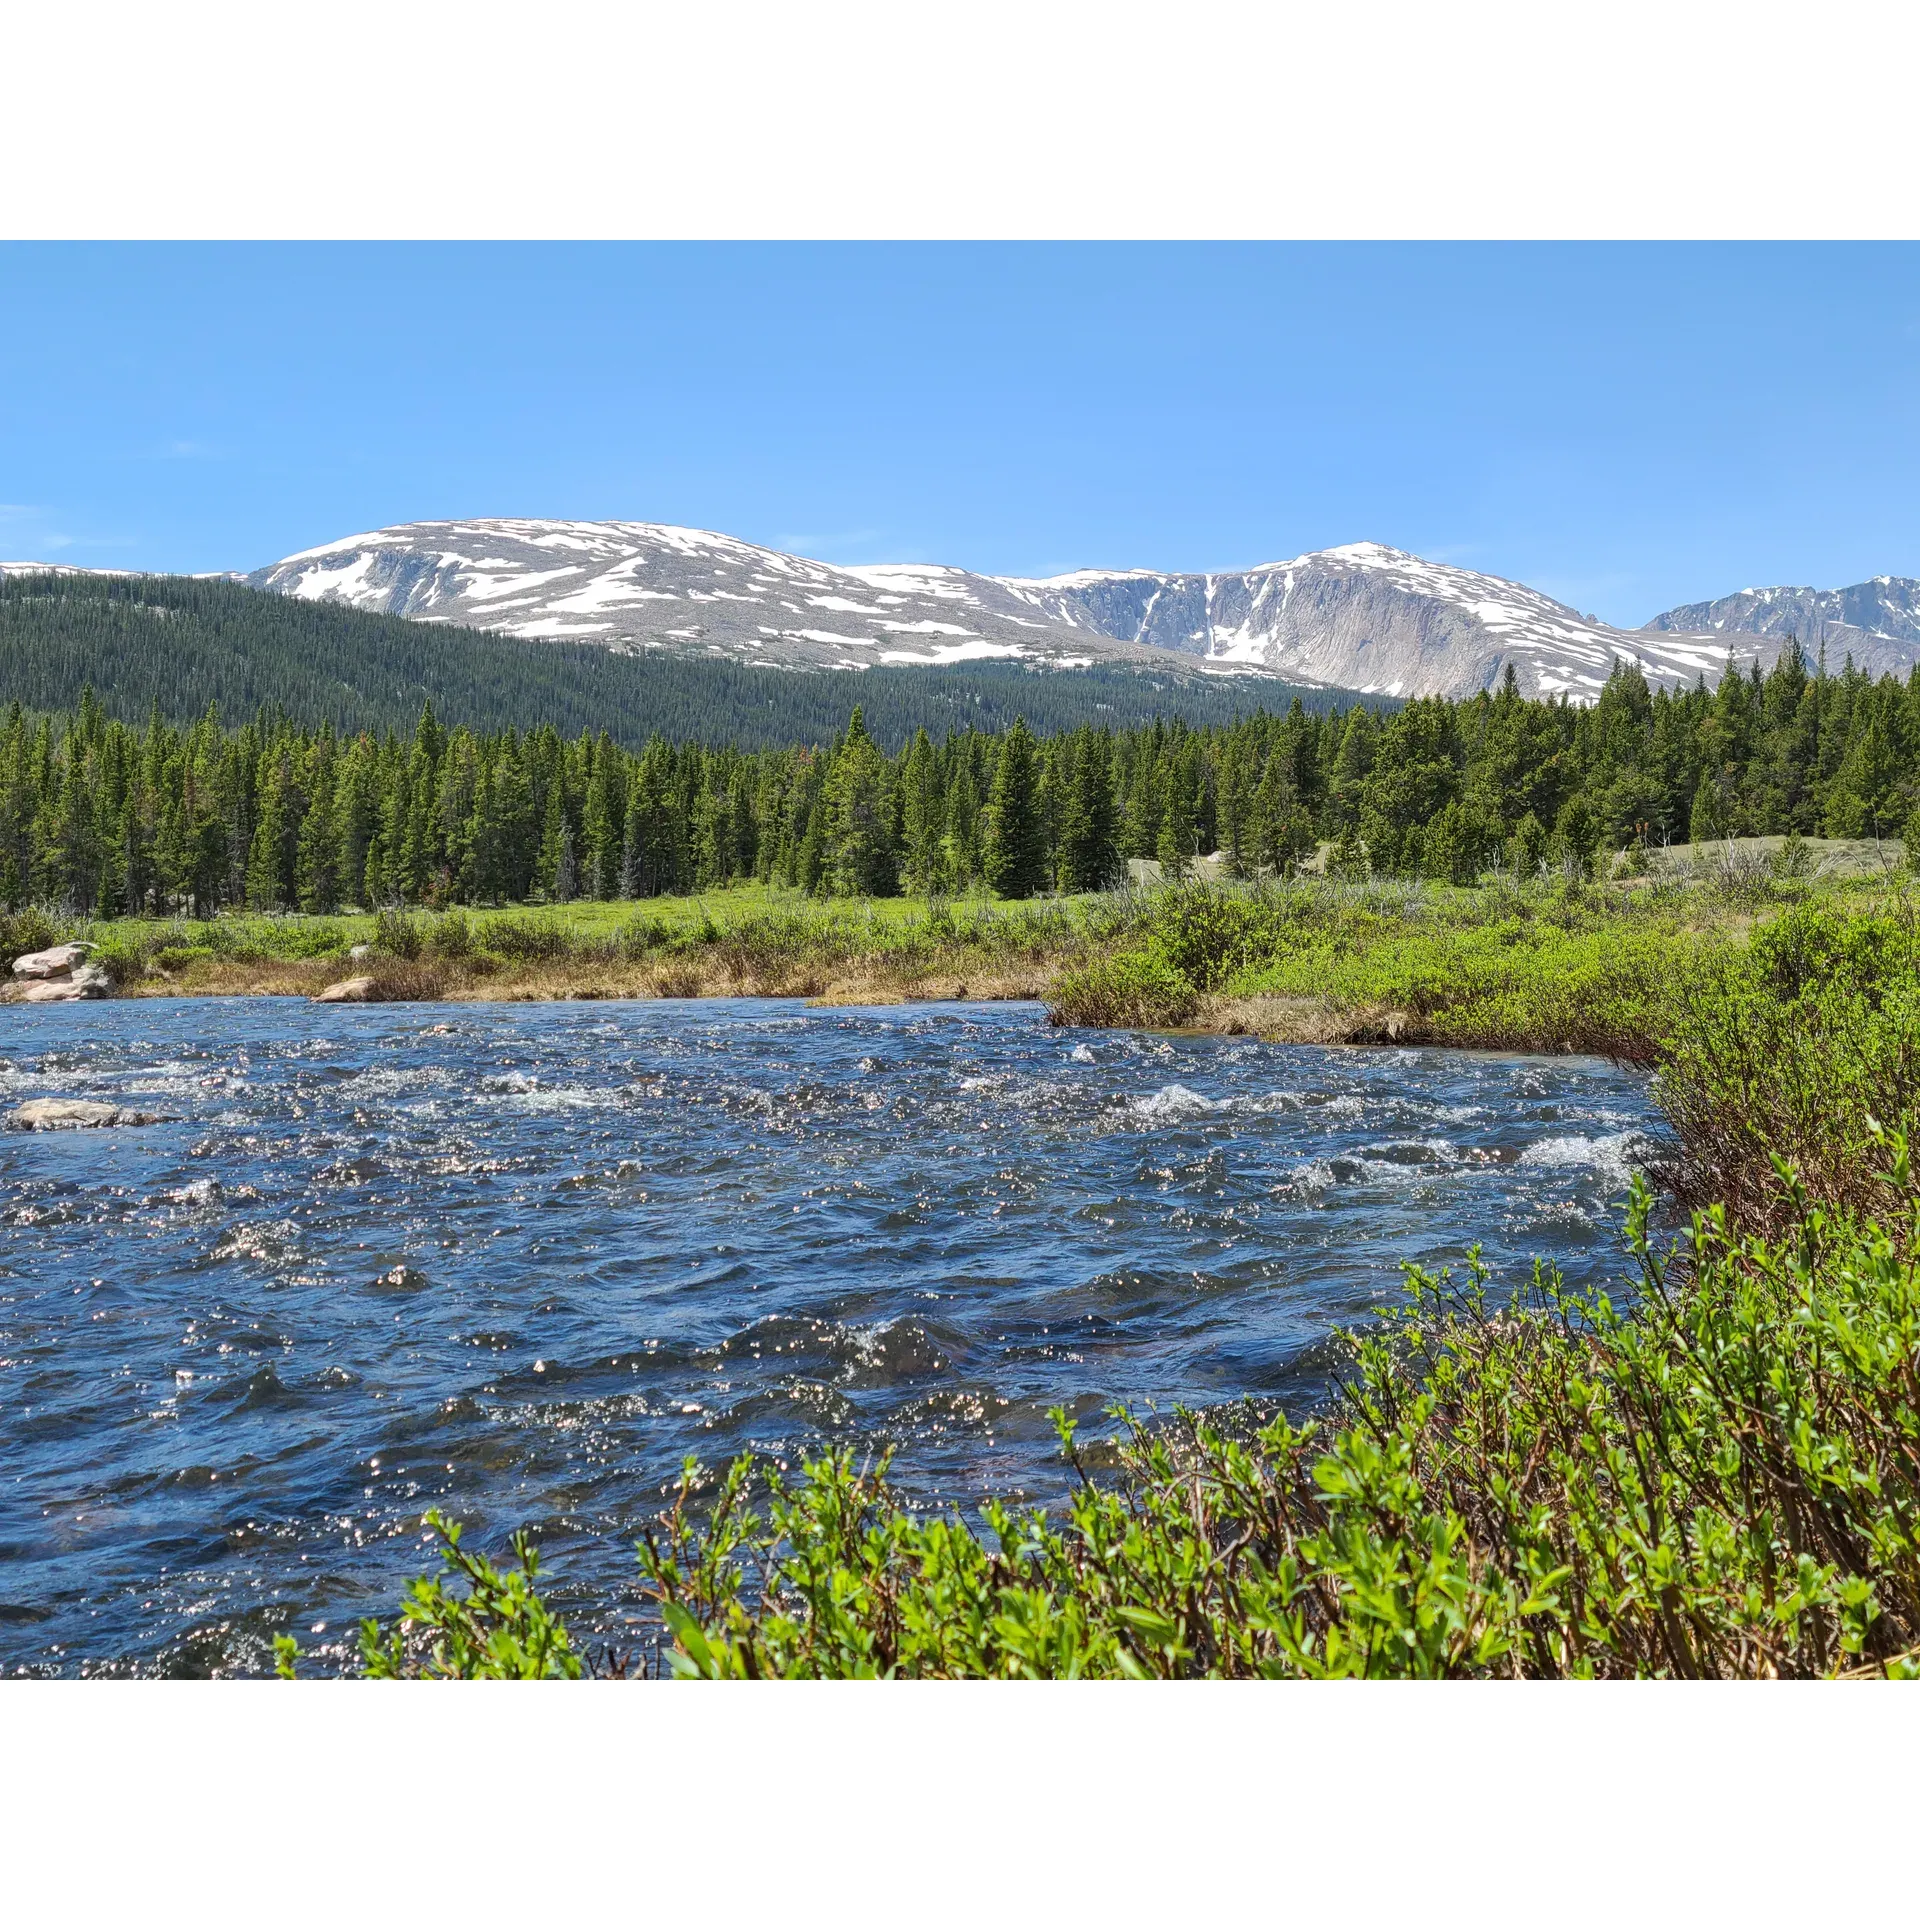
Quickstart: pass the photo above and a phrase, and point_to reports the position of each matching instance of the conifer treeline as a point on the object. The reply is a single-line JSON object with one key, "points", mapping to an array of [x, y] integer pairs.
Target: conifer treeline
{"points": [[97, 816]]}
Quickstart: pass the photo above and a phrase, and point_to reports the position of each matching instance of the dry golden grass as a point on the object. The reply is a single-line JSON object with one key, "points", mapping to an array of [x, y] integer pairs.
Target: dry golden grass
{"points": [[481, 977], [1301, 1021]]}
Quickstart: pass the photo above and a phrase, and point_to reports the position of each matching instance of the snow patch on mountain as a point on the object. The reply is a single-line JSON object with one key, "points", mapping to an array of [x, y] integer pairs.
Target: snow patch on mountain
{"points": [[628, 583], [1364, 617], [1875, 624], [1376, 620]]}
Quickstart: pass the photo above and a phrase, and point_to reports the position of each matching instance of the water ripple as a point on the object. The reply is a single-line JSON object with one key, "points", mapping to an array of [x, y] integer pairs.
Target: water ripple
{"points": [[519, 1260]]}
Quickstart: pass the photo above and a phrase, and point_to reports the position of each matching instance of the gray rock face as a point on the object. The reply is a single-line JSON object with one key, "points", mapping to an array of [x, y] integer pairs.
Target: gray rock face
{"points": [[56, 1116], [1363, 617], [1377, 620], [1875, 624]]}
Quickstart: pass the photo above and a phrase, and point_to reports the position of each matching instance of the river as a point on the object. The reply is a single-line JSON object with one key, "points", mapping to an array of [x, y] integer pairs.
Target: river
{"points": [[518, 1261]]}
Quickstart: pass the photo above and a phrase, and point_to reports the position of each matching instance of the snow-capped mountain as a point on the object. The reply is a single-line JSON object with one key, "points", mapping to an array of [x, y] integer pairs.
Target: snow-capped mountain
{"points": [[627, 584], [9, 568], [1376, 620], [1364, 617], [1877, 623]]}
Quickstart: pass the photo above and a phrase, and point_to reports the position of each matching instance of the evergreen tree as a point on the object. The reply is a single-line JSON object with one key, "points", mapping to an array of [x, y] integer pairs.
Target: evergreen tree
{"points": [[859, 847], [316, 874], [604, 823], [1013, 855], [1089, 853], [923, 819]]}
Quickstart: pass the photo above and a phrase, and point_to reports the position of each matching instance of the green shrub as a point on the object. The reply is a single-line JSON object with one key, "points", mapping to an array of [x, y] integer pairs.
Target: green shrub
{"points": [[398, 934], [1207, 934], [1807, 1047], [1123, 990], [26, 930], [451, 936], [525, 937], [645, 935], [499, 1629]]}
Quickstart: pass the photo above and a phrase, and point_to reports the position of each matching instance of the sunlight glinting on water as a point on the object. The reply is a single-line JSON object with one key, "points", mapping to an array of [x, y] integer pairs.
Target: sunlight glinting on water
{"points": [[518, 1261]]}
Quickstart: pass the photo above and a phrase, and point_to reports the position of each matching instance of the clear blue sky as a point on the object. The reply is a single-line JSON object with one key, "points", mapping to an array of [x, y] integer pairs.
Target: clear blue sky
{"points": [[1623, 427]]}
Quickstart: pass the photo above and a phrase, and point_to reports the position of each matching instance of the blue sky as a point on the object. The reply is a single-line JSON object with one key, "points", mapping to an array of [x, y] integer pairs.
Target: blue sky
{"points": [[1624, 427]]}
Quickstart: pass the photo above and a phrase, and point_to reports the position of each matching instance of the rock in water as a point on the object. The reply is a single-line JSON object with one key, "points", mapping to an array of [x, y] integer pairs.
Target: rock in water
{"points": [[51, 1116], [52, 963], [360, 987]]}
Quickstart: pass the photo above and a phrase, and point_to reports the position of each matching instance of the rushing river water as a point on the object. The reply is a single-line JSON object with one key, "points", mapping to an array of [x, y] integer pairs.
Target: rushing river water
{"points": [[519, 1260]]}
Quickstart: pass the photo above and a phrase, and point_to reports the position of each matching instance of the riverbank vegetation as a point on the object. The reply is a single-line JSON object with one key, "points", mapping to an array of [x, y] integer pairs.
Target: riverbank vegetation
{"points": [[1549, 963], [746, 940], [1713, 1470]]}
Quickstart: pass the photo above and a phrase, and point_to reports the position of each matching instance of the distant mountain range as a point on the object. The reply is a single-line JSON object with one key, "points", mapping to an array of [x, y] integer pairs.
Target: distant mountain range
{"points": [[1363, 618], [1877, 623]]}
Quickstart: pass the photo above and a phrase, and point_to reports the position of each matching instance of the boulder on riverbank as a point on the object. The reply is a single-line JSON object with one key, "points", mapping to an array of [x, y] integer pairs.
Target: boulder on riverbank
{"points": [[59, 973], [83, 983], [52, 963], [56, 1116], [360, 987]]}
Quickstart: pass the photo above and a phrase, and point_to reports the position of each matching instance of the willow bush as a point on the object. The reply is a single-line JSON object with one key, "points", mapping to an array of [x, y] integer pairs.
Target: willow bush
{"points": [[1790, 1050], [1561, 969]]}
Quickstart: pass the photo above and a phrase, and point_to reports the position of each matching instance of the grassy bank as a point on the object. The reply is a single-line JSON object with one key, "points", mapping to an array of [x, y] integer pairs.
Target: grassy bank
{"points": [[1541, 965], [1534, 967], [742, 940]]}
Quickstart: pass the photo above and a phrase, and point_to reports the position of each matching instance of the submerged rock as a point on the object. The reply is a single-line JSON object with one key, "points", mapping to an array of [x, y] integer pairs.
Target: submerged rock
{"points": [[53, 1116], [360, 987], [407, 1279], [52, 963]]}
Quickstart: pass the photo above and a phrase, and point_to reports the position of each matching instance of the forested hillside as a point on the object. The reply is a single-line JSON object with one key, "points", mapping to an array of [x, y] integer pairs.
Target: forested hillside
{"points": [[180, 644], [97, 815]]}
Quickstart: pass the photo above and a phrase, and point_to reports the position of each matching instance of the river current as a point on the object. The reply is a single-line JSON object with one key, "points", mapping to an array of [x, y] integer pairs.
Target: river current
{"points": [[518, 1261]]}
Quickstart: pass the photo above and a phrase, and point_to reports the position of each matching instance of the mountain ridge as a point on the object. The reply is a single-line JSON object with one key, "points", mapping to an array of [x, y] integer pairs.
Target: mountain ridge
{"points": [[1875, 623], [1360, 618], [1363, 618]]}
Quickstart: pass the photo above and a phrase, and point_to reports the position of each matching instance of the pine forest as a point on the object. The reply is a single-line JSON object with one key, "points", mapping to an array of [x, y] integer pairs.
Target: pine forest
{"points": [[100, 816]]}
